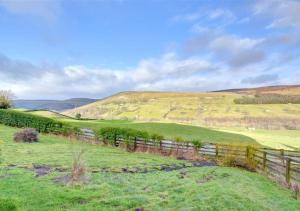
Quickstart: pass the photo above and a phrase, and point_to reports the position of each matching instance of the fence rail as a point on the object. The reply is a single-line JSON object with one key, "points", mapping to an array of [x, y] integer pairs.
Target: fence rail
{"points": [[279, 163]]}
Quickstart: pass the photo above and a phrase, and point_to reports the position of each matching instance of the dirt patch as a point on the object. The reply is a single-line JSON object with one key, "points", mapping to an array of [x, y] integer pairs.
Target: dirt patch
{"points": [[41, 170], [62, 180]]}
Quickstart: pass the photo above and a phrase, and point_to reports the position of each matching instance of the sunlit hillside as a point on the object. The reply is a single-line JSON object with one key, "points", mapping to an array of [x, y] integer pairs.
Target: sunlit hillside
{"points": [[212, 109]]}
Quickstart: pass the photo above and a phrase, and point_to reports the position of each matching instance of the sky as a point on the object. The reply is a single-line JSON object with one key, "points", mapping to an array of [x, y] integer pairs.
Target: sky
{"points": [[58, 49]]}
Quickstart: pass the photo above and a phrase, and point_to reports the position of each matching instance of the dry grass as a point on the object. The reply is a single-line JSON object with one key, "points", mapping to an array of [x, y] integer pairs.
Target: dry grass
{"points": [[187, 108]]}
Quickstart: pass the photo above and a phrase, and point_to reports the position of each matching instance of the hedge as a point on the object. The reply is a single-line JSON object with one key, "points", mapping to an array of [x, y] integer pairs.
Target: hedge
{"points": [[41, 124], [128, 134]]}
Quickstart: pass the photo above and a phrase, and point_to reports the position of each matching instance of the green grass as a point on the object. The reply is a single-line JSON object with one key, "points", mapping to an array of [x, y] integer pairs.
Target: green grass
{"points": [[56, 151], [206, 188], [170, 130], [280, 139]]}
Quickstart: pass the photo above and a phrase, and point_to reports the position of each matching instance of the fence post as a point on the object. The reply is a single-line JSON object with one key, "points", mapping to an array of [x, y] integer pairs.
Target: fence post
{"points": [[217, 150], [288, 171], [135, 144], [264, 160], [282, 155], [247, 152]]}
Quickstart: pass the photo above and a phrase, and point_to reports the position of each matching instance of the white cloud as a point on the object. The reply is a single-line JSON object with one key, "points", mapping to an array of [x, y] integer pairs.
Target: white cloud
{"points": [[284, 13]]}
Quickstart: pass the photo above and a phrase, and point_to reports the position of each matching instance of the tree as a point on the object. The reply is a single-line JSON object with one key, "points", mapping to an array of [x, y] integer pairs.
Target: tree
{"points": [[78, 116], [6, 97]]}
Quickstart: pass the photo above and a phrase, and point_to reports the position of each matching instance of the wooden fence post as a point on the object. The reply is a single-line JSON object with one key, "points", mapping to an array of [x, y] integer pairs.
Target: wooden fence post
{"points": [[217, 150], [288, 171], [264, 160], [247, 152], [135, 144], [282, 155]]}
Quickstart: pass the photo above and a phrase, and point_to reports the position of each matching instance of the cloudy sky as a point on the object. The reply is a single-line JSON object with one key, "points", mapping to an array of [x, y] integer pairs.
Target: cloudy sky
{"points": [[56, 49]]}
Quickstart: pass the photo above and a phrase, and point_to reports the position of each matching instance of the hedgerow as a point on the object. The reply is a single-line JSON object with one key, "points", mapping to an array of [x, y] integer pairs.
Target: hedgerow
{"points": [[41, 124], [112, 134]]}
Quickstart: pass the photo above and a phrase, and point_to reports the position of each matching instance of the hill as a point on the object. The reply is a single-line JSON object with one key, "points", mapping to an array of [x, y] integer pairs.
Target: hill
{"points": [[55, 105], [208, 109]]}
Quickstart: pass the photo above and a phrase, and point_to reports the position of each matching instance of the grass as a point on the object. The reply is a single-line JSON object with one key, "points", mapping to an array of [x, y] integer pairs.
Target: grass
{"points": [[169, 130], [205, 188], [58, 151], [280, 139]]}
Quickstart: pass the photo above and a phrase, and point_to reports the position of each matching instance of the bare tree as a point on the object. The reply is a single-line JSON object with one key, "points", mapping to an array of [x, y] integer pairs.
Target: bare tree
{"points": [[6, 97]]}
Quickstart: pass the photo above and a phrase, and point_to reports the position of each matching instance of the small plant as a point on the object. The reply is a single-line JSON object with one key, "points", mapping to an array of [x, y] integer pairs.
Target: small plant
{"points": [[178, 139], [28, 135], [156, 138], [78, 116], [79, 170], [197, 145]]}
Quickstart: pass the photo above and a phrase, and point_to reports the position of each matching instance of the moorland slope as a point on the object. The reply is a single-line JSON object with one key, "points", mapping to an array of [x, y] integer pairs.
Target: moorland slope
{"points": [[206, 108]]}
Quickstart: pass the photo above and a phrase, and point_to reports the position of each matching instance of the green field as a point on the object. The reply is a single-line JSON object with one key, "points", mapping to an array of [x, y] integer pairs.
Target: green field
{"points": [[280, 139], [170, 131], [195, 188]]}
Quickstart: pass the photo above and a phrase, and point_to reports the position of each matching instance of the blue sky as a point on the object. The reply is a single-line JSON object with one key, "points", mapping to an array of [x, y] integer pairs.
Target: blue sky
{"points": [[59, 49]]}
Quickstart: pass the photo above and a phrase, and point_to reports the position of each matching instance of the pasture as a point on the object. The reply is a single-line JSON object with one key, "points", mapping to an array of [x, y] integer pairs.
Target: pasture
{"points": [[194, 188]]}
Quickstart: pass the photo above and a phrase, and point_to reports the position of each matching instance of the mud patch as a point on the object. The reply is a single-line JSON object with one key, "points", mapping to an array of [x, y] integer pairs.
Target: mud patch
{"points": [[62, 180], [41, 170]]}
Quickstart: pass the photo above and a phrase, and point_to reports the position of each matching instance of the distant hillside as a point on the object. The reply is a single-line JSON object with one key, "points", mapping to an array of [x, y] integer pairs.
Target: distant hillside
{"points": [[55, 105], [209, 109], [282, 89]]}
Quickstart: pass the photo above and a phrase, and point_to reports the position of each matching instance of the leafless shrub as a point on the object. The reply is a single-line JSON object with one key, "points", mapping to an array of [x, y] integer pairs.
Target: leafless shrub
{"points": [[79, 170], [28, 135], [6, 97]]}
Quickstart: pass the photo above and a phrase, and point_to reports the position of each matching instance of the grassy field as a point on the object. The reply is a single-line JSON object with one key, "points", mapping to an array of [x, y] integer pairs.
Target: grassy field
{"points": [[170, 130], [192, 108], [280, 139], [204, 188]]}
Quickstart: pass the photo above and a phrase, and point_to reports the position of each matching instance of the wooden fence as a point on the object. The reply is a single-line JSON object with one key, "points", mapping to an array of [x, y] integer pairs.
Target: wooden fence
{"points": [[283, 165]]}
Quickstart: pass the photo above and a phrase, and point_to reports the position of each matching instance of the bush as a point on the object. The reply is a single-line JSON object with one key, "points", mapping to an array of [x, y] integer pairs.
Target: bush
{"points": [[78, 116], [41, 124], [197, 145], [27, 135], [112, 134]]}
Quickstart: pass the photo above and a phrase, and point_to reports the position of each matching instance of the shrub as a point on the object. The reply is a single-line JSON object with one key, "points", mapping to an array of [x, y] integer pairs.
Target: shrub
{"points": [[113, 134], [178, 139], [27, 135], [78, 116], [41, 124], [197, 145]]}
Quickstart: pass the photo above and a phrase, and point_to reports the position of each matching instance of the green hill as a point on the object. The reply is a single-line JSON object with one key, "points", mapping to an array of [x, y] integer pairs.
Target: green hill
{"points": [[207, 109]]}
